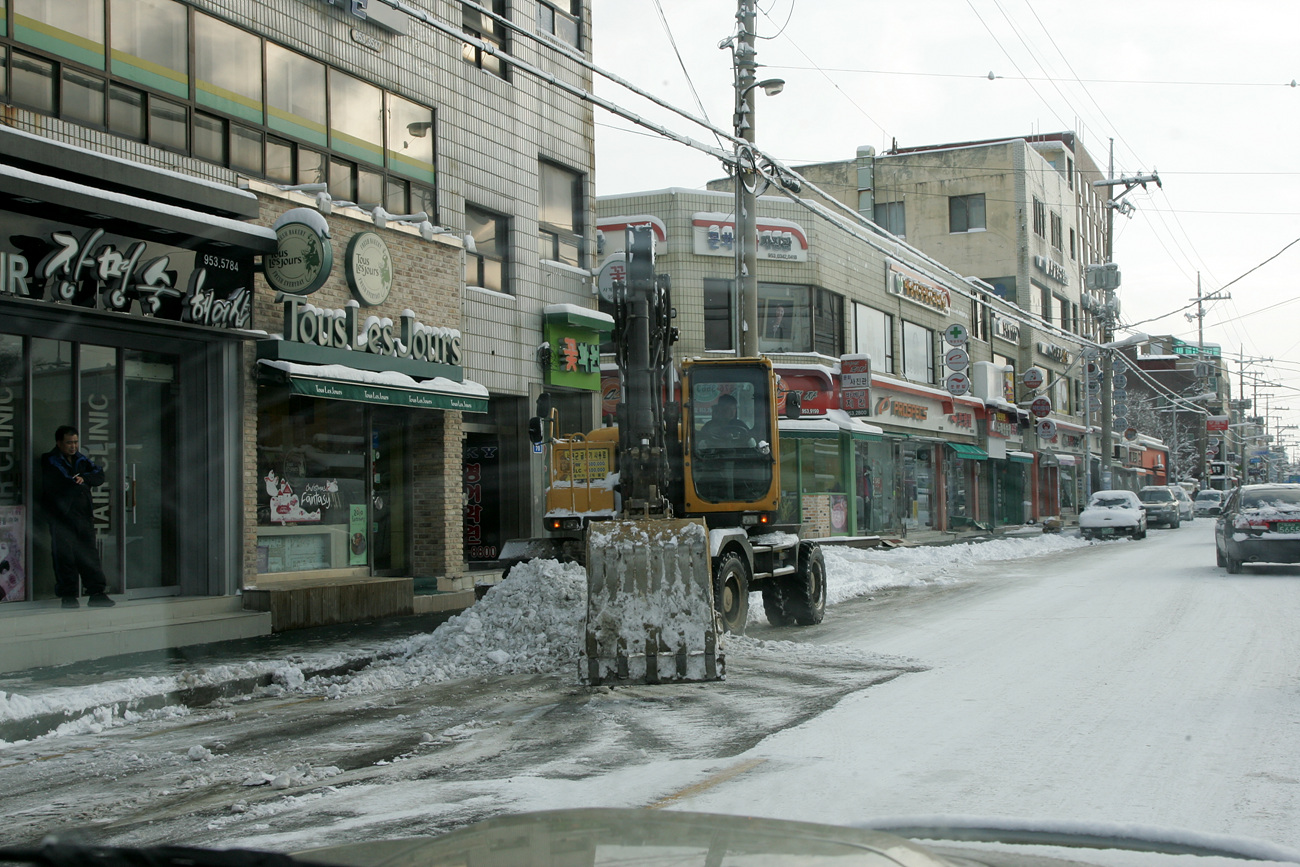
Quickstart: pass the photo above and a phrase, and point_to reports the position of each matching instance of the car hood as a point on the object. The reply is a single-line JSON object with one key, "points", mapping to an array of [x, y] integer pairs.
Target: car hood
{"points": [[671, 837]]}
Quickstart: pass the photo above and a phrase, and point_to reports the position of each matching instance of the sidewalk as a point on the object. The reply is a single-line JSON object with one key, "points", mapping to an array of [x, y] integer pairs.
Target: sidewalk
{"points": [[38, 701]]}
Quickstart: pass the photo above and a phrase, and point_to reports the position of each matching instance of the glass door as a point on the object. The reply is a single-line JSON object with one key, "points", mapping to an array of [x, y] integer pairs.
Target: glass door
{"points": [[390, 474], [149, 472]]}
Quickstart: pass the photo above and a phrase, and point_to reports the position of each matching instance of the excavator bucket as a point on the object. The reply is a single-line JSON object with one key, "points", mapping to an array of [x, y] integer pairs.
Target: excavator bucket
{"points": [[650, 615]]}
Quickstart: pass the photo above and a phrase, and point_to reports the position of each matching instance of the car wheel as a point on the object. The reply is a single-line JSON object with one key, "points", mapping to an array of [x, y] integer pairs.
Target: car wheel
{"points": [[1177, 522], [1140, 533], [1233, 564], [731, 591], [808, 591], [1218, 557]]}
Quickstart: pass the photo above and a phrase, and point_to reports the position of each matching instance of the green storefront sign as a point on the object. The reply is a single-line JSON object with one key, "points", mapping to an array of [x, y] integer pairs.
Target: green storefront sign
{"points": [[385, 395], [574, 338]]}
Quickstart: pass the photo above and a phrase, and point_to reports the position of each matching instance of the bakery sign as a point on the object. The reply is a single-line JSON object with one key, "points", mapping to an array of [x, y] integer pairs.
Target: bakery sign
{"points": [[917, 289], [1059, 354], [95, 269], [1001, 424]]}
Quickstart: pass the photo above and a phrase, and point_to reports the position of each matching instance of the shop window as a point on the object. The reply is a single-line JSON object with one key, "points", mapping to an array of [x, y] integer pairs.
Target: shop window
{"points": [[150, 44], [719, 302], [874, 337], [4, 62], [82, 98], [486, 266], [227, 69], [828, 313], [487, 29], [966, 213], [892, 217], [245, 149], [397, 196], [295, 95], [410, 139], [356, 118], [69, 28], [210, 138], [1040, 219], [167, 125], [343, 182], [918, 352], [32, 82], [784, 317], [126, 112], [311, 496], [1056, 230], [313, 168], [279, 161], [370, 188], [560, 223], [562, 19]]}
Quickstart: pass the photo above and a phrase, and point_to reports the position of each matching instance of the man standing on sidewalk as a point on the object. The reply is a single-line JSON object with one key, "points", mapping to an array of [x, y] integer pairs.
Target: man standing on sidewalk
{"points": [[67, 476]]}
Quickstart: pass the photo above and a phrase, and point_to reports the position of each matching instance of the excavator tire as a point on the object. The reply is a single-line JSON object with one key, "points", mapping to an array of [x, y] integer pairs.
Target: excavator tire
{"points": [[806, 591], [776, 604], [731, 591]]}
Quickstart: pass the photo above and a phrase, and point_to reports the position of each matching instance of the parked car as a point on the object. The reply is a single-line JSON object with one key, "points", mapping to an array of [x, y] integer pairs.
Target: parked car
{"points": [[1186, 508], [1113, 513], [1209, 501], [1161, 505], [1258, 524]]}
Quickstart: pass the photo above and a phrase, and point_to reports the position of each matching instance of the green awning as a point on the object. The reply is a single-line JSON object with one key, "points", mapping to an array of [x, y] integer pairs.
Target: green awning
{"points": [[385, 395], [1020, 458], [970, 453]]}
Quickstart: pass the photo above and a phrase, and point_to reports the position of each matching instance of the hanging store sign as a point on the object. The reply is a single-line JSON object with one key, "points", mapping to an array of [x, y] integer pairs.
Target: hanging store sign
{"points": [[1001, 424], [1059, 354], [369, 268], [303, 256], [917, 289], [572, 356], [1052, 269], [1006, 329], [778, 240], [855, 384], [95, 269], [815, 389]]}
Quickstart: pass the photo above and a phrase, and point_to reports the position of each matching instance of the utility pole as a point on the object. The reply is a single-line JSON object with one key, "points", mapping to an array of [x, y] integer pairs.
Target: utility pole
{"points": [[1106, 278], [1203, 438]]}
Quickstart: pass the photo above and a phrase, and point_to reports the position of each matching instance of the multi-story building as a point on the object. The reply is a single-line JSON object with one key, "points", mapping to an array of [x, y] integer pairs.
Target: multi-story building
{"points": [[1020, 214], [287, 264], [900, 453]]}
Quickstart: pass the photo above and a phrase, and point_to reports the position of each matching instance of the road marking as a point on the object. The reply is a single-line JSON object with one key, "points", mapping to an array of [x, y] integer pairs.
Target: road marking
{"points": [[704, 785]]}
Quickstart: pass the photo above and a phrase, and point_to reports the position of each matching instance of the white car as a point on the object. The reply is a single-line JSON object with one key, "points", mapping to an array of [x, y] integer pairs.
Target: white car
{"points": [[1113, 513]]}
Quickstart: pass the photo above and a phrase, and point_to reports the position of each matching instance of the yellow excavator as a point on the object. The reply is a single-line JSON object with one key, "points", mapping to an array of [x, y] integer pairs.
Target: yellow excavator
{"points": [[673, 510]]}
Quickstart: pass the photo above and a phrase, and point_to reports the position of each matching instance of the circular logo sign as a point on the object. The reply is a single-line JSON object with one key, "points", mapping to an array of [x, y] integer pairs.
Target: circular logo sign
{"points": [[956, 334], [1131, 434], [1046, 428], [1033, 378], [1119, 380], [302, 259], [957, 384], [1040, 407], [369, 268], [956, 358]]}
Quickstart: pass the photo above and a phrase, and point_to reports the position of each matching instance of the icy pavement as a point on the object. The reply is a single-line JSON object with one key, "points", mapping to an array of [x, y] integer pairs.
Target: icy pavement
{"points": [[529, 624]]}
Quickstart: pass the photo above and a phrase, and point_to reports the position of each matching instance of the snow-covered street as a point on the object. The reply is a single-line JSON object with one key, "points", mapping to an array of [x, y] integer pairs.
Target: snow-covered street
{"points": [[1041, 678]]}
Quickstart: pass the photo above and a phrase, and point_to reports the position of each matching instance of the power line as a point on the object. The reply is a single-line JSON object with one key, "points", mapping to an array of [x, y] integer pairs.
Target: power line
{"points": [[984, 76]]}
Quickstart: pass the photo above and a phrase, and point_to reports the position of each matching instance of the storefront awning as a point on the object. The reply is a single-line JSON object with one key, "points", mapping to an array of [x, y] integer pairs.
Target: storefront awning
{"points": [[1020, 457], [339, 382], [834, 423], [970, 453]]}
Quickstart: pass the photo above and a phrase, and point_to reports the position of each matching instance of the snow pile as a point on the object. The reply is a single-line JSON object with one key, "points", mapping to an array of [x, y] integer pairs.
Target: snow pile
{"points": [[854, 572], [528, 624]]}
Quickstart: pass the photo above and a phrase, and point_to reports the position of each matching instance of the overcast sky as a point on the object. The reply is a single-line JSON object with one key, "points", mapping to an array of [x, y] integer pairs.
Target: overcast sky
{"points": [[1199, 91]]}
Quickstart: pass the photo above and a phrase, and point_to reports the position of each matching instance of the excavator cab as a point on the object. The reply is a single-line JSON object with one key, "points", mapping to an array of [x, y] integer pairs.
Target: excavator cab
{"points": [[730, 456]]}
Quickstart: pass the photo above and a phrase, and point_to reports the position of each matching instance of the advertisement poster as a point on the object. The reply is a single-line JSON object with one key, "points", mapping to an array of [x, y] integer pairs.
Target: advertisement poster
{"points": [[13, 577], [357, 534]]}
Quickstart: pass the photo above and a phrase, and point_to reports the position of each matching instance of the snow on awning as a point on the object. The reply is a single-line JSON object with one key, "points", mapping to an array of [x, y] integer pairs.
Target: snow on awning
{"points": [[835, 422], [1020, 457], [56, 198], [968, 452], [583, 317], [385, 388]]}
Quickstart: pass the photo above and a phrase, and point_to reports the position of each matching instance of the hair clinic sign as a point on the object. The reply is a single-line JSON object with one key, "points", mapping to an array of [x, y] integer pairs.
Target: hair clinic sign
{"points": [[341, 329], [97, 270]]}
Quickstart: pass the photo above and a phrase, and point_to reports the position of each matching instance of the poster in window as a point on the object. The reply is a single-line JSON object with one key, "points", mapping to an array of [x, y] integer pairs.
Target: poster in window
{"points": [[13, 577], [357, 534]]}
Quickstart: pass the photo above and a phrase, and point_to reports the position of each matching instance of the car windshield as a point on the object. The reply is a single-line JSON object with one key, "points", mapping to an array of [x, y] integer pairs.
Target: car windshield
{"points": [[1209, 496], [1157, 495]]}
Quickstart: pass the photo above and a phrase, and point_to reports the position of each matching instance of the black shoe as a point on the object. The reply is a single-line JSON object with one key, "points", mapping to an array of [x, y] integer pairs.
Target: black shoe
{"points": [[71, 602], [100, 600]]}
